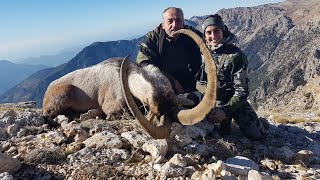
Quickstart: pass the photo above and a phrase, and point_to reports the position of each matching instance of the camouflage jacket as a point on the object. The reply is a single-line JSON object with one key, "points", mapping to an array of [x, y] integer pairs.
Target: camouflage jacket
{"points": [[233, 82], [178, 60]]}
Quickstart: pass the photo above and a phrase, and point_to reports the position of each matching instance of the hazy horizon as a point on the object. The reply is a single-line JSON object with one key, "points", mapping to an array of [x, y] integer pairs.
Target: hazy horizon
{"points": [[33, 28]]}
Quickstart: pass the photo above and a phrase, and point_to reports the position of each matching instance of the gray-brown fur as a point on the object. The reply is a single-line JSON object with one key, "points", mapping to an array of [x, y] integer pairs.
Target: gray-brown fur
{"points": [[99, 87]]}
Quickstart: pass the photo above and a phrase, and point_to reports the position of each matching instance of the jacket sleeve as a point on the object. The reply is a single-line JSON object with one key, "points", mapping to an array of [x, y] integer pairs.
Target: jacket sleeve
{"points": [[148, 50], [240, 82]]}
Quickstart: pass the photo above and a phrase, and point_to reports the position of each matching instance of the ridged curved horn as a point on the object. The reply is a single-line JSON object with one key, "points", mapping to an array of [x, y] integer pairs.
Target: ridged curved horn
{"points": [[160, 131], [196, 114]]}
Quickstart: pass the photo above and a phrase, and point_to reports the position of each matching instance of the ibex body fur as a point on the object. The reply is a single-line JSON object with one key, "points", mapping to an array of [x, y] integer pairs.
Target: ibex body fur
{"points": [[99, 87], [108, 86]]}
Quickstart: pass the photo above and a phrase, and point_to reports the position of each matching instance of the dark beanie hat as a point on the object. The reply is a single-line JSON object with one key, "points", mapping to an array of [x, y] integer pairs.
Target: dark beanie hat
{"points": [[213, 20]]}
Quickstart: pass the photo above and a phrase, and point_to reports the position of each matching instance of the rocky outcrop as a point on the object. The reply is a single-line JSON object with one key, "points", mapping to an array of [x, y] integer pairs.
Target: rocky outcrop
{"points": [[120, 149], [8, 164]]}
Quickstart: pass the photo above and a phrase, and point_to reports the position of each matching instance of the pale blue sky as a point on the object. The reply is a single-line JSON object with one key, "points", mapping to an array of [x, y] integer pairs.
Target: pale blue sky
{"points": [[42, 27]]}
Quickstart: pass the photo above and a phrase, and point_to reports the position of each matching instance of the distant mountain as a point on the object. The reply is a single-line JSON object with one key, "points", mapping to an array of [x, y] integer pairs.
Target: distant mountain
{"points": [[132, 37], [191, 23], [196, 22], [33, 87], [11, 74], [282, 44], [54, 60], [280, 40]]}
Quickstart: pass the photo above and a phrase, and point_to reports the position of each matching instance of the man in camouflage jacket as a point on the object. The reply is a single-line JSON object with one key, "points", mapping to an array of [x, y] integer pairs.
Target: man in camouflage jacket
{"points": [[232, 90]]}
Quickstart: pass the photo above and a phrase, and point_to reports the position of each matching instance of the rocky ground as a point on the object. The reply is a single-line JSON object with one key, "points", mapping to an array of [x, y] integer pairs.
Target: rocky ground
{"points": [[31, 148]]}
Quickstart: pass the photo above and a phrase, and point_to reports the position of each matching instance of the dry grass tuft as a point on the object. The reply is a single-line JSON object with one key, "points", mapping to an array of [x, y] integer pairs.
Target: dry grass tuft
{"points": [[286, 120], [99, 171], [276, 110], [6, 107], [225, 149], [317, 119], [125, 122], [281, 119], [297, 120]]}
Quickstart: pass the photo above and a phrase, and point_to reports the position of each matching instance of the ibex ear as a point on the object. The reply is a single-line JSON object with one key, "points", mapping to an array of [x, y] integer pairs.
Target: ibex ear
{"points": [[184, 101]]}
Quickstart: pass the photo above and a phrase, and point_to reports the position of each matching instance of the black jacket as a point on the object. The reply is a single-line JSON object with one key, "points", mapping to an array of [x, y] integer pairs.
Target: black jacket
{"points": [[179, 59]]}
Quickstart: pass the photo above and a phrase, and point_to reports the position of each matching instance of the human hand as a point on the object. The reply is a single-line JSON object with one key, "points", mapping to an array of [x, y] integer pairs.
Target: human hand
{"points": [[183, 100], [216, 115]]}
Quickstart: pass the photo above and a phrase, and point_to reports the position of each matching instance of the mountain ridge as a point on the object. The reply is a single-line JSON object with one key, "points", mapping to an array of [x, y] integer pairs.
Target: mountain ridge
{"points": [[11, 73], [33, 87], [280, 41]]}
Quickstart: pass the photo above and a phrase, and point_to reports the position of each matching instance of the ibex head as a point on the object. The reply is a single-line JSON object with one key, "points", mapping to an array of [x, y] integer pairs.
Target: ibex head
{"points": [[163, 107]]}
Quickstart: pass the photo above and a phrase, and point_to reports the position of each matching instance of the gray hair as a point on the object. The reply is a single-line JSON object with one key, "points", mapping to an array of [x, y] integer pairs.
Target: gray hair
{"points": [[175, 8]]}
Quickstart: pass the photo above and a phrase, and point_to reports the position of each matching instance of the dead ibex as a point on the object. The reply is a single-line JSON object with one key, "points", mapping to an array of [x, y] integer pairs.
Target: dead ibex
{"points": [[107, 86]]}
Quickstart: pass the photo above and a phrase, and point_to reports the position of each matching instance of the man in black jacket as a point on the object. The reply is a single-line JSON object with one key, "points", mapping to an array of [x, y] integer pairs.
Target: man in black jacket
{"points": [[178, 57]]}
